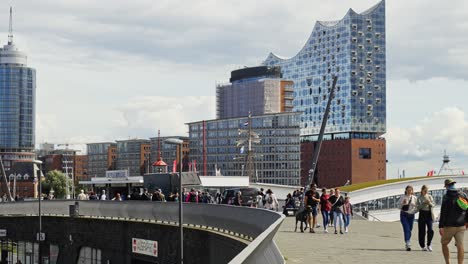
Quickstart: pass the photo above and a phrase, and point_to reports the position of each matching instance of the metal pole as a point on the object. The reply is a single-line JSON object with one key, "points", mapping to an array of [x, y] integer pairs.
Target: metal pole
{"points": [[181, 229], [40, 210]]}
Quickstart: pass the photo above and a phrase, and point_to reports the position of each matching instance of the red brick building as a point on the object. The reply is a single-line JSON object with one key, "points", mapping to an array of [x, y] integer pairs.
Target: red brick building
{"points": [[81, 168], [340, 160]]}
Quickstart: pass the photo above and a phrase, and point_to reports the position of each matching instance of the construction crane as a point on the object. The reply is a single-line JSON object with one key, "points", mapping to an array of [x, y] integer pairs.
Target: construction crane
{"points": [[312, 171]]}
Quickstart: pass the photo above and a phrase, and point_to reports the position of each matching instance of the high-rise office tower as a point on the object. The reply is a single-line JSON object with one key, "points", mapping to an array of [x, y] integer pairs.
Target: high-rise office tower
{"points": [[17, 104], [255, 90], [353, 49]]}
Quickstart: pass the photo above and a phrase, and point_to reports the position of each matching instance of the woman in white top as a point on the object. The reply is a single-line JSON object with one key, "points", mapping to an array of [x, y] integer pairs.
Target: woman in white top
{"points": [[407, 206], [271, 203]]}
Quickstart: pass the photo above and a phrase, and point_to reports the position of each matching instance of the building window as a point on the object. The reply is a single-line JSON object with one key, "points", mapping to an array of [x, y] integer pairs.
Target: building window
{"points": [[364, 153], [89, 256]]}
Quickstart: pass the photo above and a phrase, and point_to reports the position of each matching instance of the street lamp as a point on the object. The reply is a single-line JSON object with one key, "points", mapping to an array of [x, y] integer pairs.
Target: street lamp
{"points": [[178, 142], [40, 236]]}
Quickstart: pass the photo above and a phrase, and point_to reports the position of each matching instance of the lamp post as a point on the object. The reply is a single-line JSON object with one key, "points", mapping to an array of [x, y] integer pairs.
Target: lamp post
{"points": [[39, 235], [178, 142]]}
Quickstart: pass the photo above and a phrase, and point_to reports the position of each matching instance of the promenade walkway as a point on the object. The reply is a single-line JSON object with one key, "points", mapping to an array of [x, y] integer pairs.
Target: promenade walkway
{"points": [[367, 242]]}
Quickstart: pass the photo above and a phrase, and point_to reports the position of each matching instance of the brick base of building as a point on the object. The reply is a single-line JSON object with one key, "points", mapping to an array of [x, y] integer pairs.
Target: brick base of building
{"points": [[341, 160]]}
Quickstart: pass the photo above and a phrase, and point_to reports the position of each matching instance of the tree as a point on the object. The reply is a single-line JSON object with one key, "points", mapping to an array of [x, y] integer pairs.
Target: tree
{"points": [[58, 181]]}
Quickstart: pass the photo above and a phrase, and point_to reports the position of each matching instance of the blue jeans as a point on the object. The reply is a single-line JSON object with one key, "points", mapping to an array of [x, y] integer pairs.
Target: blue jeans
{"points": [[347, 219], [338, 218], [407, 221], [325, 217]]}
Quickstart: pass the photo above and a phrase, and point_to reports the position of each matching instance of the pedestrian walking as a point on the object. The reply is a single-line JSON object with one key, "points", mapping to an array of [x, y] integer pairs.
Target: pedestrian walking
{"points": [[347, 213], [312, 199], [117, 197], [82, 196], [103, 195], [426, 218], [407, 206], [337, 202], [192, 196], [271, 203], [325, 207], [290, 202], [453, 220], [331, 217], [238, 199]]}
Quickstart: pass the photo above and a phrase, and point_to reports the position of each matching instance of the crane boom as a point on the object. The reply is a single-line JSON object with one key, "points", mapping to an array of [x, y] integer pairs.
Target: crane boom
{"points": [[320, 138]]}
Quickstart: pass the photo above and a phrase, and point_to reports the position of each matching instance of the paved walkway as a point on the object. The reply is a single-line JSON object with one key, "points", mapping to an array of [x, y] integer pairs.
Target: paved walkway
{"points": [[367, 242]]}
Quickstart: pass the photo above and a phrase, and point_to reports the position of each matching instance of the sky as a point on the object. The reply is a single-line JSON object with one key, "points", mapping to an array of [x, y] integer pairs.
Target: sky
{"points": [[118, 69]]}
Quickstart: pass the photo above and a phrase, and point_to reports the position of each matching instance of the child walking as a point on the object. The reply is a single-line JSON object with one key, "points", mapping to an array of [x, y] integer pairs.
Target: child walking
{"points": [[348, 212]]}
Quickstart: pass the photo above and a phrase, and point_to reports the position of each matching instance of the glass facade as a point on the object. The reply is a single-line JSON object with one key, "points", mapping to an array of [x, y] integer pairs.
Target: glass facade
{"points": [[132, 154], [255, 95], [17, 107], [353, 49], [98, 158], [277, 156]]}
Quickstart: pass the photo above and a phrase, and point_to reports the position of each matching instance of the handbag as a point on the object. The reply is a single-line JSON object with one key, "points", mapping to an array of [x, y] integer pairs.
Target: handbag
{"points": [[405, 207]]}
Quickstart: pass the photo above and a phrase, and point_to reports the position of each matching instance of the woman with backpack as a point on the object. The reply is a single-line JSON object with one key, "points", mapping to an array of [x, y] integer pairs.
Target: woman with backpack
{"points": [[271, 203], [408, 208]]}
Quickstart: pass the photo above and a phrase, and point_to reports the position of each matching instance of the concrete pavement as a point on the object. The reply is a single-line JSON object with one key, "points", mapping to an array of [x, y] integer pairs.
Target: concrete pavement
{"points": [[366, 242]]}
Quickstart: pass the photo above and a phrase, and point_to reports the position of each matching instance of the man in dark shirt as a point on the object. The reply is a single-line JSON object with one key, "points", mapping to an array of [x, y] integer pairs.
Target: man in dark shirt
{"points": [[453, 221], [311, 200]]}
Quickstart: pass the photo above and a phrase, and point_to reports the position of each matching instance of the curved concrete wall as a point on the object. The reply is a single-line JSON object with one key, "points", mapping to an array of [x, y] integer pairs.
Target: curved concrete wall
{"points": [[256, 227]]}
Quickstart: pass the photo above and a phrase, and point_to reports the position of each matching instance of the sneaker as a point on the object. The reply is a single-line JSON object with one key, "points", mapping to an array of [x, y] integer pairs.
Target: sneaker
{"points": [[336, 232], [408, 249], [424, 249], [429, 248], [326, 230], [346, 230], [318, 226], [312, 230], [341, 232]]}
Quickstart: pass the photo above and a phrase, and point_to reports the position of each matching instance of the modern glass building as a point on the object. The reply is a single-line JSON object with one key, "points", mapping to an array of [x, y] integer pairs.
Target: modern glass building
{"points": [[134, 155], [17, 105], [353, 49], [277, 156], [255, 90], [101, 158]]}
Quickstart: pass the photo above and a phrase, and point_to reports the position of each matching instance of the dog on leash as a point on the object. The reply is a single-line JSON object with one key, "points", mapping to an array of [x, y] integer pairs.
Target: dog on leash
{"points": [[301, 216]]}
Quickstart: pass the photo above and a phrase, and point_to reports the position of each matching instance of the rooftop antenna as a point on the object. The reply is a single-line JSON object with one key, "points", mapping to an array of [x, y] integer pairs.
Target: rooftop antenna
{"points": [[445, 164], [10, 27]]}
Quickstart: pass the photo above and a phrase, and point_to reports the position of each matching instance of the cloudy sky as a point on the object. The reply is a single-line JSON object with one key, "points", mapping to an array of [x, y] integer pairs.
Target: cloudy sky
{"points": [[116, 69]]}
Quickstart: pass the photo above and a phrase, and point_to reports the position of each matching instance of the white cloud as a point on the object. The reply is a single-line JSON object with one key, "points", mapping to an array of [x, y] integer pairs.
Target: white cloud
{"points": [[425, 142], [142, 116]]}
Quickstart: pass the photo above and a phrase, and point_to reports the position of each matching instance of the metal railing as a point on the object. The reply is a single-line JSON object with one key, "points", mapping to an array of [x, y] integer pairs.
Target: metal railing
{"points": [[258, 226]]}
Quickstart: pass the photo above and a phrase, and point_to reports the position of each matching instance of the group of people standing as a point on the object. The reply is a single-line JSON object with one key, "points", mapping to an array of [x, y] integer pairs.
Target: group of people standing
{"points": [[453, 220], [336, 210]]}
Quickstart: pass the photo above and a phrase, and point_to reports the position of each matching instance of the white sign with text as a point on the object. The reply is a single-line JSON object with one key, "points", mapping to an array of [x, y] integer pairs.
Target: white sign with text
{"points": [[145, 247]]}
